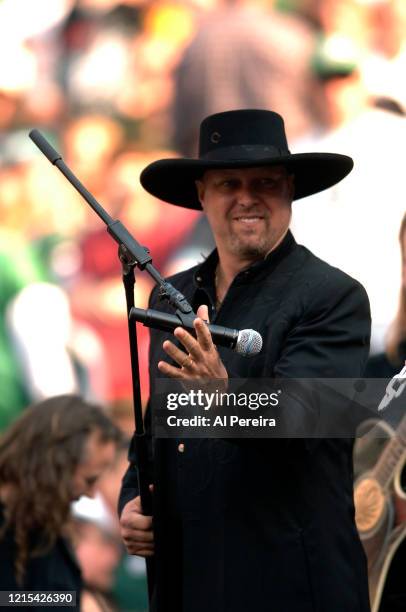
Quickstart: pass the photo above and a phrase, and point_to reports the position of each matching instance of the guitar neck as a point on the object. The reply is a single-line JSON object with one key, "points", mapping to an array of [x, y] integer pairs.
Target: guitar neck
{"points": [[391, 456]]}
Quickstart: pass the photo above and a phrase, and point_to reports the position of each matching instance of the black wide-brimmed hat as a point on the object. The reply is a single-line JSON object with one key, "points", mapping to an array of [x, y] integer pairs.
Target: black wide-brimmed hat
{"points": [[242, 139]]}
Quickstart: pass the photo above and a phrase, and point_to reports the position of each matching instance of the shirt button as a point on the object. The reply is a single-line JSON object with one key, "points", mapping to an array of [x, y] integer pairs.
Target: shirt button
{"points": [[199, 279], [181, 448]]}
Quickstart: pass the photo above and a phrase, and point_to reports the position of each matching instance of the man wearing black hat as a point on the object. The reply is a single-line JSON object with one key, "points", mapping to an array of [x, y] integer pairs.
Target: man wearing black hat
{"points": [[266, 525]]}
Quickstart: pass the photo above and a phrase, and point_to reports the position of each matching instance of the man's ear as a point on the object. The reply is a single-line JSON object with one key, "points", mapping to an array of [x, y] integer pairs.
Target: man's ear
{"points": [[200, 191]]}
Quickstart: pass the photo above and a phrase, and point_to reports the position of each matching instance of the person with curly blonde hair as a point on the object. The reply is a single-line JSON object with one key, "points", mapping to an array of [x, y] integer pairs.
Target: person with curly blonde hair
{"points": [[393, 358], [51, 455]]}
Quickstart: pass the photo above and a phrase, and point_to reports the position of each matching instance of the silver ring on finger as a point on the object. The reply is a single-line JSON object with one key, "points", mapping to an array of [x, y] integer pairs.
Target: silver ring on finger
{"points": [[188, 363]]}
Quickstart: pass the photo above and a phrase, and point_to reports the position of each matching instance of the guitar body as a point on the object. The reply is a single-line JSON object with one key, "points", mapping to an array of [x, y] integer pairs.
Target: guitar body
{"points": [[399, 497], [380, 515], [373, 516], [387, 579]]}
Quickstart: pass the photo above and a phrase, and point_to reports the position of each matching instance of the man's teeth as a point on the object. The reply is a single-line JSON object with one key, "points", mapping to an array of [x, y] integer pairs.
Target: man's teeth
{"points": [[249, 219]]}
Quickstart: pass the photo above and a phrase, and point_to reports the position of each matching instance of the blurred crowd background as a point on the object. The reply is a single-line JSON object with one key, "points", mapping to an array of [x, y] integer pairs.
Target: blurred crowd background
{"points": [[116, 84]]}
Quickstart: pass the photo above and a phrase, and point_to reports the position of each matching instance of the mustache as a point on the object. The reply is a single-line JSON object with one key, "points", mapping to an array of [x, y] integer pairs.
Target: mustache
{"points": [[249, 212]]}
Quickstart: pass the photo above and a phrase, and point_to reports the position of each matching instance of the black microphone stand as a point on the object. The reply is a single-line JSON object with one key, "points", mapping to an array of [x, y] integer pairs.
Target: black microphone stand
{"points": [[131, 255], [140, 441]]}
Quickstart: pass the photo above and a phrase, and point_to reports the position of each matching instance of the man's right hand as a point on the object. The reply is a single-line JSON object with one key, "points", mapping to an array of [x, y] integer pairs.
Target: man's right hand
{"points": [[136, 529]]}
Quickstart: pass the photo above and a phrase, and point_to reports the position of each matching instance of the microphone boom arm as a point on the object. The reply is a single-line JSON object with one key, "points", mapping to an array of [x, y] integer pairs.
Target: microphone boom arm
{"points": [[140, 255]]}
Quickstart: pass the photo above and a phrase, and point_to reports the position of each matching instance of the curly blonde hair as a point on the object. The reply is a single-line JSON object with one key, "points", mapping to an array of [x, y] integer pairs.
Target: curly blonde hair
{"points": [[397, 331], [39, 455]]}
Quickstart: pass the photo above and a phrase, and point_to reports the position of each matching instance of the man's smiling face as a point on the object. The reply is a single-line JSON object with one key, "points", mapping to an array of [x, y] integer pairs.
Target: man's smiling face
{"points": [[249, 209]]}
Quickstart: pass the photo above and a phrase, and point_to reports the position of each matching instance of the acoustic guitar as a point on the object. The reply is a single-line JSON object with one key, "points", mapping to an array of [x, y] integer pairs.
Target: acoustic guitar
{"points": [[380, 509]]}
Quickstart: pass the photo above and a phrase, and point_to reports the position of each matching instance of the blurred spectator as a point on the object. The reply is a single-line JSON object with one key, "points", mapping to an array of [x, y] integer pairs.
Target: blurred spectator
{"points": [[41, 329], [130, 587], [360, 216], [97, 39], [119, 577], [8, 108], [98, 550], [387, 58], [53, 454], [393, 359], [90, 144], [35, 311], [16, 271], [110, 483], [344, 19], [245, 55], [167, 26]]}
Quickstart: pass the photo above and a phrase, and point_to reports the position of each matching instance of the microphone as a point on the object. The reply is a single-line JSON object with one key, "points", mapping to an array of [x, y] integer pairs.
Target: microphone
{"points": [[246, 342]]}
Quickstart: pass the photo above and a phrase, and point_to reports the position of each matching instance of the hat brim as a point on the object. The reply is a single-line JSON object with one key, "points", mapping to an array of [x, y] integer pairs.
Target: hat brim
{"points": [[173, 180]]}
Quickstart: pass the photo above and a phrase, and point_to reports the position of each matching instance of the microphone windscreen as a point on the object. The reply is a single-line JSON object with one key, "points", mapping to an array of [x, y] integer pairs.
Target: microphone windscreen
{"points": [[249, 342]]}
